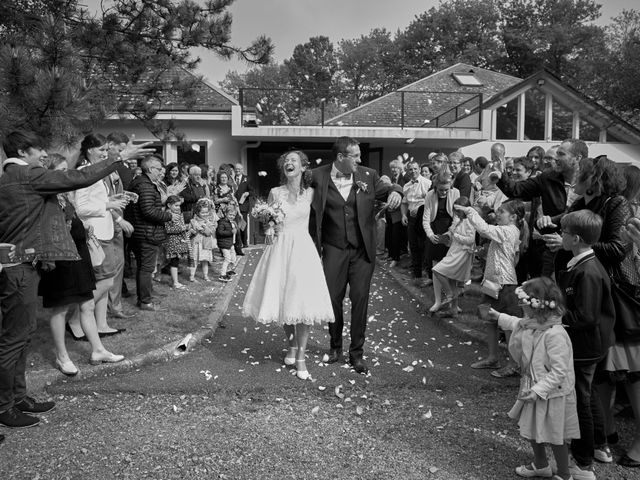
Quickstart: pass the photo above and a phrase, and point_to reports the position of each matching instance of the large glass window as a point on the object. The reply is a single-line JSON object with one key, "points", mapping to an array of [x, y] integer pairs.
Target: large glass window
{"points": [[534, 104], [507, 121], [562, 122], [588, 131]]}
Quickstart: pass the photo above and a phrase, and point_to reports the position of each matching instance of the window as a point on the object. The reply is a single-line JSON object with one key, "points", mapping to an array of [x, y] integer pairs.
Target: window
{"points": [[467, 79], [562, 122], [588, 131], [534, 105], [507, 121], [194, 153]]}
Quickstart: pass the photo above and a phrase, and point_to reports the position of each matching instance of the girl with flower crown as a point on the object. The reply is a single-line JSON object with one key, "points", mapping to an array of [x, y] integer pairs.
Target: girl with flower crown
{"points": [[546, 406]]}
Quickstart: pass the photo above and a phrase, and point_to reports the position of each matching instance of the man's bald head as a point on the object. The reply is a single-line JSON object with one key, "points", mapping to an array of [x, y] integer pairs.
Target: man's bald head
{"points": [[497, 151]]}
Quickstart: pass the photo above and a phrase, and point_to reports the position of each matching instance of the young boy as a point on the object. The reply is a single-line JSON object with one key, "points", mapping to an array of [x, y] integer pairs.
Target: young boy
{"points": [[589, 320], [226, 236]]}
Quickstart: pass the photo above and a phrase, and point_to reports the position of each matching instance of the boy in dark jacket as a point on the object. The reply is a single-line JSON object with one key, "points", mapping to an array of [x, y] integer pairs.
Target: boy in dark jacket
{"points": [[226, 236], [589, 320]]}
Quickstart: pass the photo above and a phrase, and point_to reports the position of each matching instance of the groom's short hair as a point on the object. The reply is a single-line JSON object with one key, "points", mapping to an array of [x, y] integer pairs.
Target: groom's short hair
{"points": [[342, 145]]}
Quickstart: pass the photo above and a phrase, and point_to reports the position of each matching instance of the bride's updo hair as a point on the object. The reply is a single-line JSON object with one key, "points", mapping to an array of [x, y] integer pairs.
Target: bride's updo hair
{"points": [[305, 181]]}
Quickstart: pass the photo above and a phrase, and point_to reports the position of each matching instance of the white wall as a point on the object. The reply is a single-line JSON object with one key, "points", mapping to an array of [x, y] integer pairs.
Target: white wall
{"points": [[221, 147]]}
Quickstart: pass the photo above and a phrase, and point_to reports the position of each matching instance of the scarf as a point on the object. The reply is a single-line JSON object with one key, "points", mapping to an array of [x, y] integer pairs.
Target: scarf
{"points": [[525, 338]]}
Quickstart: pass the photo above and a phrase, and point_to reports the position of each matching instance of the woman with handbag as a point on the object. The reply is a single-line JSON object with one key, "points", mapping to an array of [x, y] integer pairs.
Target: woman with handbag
{"points": [[70, 284], [97, 209], [623, 359]]}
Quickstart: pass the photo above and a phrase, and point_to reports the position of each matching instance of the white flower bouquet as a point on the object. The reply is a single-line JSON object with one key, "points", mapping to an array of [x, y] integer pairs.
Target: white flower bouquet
{"points": [[270, 215]]}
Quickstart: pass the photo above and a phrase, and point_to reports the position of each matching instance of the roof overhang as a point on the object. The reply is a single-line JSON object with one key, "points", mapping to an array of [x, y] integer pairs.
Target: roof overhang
{"points": [[318, 133], [209, 116]]}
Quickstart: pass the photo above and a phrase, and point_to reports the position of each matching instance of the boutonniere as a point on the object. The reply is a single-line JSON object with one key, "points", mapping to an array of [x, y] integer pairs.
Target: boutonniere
{"points": [[362, 186]]}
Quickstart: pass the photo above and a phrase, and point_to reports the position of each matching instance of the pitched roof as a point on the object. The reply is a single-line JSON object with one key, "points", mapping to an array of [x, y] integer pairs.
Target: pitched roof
{"points": [[428, 98], [571, 98], [205, 98]]}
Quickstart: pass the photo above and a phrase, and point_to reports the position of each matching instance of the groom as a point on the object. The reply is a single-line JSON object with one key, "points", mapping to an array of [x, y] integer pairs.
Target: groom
{"points": [[344, 229]]}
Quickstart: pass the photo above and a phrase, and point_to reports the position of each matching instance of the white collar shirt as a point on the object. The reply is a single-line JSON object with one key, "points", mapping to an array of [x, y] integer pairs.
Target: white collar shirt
{"points": [[415, 192], [574, 261], [343, 183]]}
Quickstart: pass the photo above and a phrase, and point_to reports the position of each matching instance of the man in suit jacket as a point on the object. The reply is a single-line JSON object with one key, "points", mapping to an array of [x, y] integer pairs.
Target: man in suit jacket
{"points": [[244, 195], [343, 226]]}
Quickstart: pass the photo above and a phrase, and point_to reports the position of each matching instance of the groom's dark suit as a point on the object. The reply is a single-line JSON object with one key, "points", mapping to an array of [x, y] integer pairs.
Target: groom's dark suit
{"points": [[345, 233]]}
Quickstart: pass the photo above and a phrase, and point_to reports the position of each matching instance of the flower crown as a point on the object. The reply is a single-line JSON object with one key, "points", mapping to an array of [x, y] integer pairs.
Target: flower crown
{"points": [[534, 302]]}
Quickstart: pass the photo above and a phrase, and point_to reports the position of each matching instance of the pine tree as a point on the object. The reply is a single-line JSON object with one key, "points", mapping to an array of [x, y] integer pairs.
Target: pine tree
{"points": [[63, 69]]}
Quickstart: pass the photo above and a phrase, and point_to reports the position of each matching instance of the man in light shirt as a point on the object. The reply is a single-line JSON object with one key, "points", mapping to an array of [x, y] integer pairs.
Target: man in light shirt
{"points": [[412, 207]]}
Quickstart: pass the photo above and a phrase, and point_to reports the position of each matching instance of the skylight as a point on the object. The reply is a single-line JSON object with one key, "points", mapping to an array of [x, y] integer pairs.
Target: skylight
{"points": [[467, 79]]}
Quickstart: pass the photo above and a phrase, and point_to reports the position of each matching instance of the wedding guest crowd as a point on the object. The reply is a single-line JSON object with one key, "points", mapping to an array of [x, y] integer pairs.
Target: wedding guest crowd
{"points": [[73, 227], [551, 240], [559, 215]]}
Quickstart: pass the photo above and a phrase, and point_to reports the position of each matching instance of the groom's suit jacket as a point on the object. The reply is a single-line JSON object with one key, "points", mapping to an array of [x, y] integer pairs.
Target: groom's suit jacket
{"points": [[368, 188]]}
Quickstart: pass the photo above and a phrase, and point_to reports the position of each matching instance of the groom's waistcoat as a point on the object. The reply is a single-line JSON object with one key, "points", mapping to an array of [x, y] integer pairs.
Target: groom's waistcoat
{"points": [[340, 219]]}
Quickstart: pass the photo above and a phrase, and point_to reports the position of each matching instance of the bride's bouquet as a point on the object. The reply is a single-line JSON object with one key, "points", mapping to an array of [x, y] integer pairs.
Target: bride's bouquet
{"points": [[270, 215]]}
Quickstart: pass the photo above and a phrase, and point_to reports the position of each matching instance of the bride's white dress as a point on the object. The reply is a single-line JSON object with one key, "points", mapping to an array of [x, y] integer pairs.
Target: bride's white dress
{"points": [[288, 285]]}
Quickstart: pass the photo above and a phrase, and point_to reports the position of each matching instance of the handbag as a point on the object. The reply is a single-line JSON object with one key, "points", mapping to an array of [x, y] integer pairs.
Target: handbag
{"points": [[95, 250], [490, 288], [627, 304], [241, 222]]}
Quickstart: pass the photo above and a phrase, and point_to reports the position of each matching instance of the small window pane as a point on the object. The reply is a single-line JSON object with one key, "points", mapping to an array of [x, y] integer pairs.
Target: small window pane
{"points": [[562, 122], [588, 131], [534, 104], [507, 121]]}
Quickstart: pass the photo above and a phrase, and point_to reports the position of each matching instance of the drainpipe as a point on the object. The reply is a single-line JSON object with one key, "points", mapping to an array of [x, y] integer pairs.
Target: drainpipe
{"points": [[243, 159], [243, 152]]}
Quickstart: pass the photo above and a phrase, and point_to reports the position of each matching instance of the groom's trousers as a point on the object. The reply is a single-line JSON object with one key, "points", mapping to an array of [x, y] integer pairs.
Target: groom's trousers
{"points": [[342, 267]]}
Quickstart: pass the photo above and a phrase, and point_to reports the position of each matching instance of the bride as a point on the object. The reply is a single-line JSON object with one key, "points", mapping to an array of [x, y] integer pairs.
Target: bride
{"points": [[288, 287]]}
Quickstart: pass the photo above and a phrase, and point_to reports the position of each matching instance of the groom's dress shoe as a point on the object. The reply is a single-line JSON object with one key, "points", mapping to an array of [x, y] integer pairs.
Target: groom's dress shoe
{"points": [[359, 366], [334, 355]]}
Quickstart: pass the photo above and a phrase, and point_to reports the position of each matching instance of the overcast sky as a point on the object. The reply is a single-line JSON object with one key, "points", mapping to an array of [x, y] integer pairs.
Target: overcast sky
{"points": [[290, 22]]}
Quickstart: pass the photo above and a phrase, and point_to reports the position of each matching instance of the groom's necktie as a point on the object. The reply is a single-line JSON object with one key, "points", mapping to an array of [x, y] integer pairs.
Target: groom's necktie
{"points": [[346, 176]]}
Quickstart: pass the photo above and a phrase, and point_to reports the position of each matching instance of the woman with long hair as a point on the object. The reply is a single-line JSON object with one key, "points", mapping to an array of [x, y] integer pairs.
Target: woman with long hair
{"points": [[70, 285], [289, 287], [98, 212]]}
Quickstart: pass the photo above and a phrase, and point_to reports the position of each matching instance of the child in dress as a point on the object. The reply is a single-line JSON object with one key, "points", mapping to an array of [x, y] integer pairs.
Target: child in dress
{"points": [[546, 405], [226, 235], [499, 282], [456, 265], [177, 244], [202, 230]]}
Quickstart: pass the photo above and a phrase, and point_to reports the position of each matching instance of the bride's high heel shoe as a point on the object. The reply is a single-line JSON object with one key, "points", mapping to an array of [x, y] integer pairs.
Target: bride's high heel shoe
{"points": [[291, 360], [302, 374]]}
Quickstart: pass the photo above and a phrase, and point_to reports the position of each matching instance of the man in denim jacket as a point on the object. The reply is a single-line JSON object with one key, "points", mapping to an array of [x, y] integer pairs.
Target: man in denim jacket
{"points": [[30, 219]]}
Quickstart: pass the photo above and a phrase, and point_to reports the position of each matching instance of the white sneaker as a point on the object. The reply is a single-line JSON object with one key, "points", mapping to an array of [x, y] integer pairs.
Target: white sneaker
{"points": [[603, 454], [585, 473]]}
